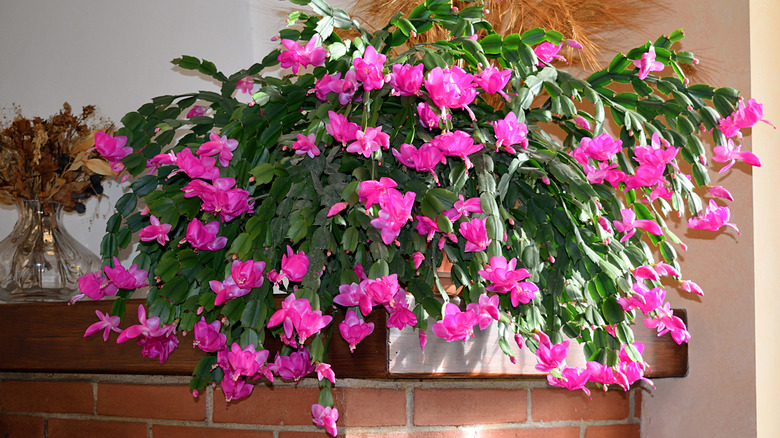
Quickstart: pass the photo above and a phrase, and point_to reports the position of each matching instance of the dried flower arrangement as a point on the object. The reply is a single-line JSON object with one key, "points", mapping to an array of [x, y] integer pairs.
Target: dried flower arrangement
{"points": [[53, 159]]}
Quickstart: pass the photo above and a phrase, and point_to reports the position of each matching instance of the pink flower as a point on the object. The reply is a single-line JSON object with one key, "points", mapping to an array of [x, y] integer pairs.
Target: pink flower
{"points": [[156, 231], [647, 63], [451, 87], [245, 361], [574, 44], [417, 259], [475, 233], [665, 322], [720, 192], [600, 148], [630, 223], [208, 337], [382, 290], [395, 211], [195, 167], [227, 290], [296, 56], [220, 198], [289, 315], [337, 208], [235, 389], [370, 191], [646, 272], [493, 80], [294, 265], [456, 325], [748, 115], [325, 417], [486, 309], [666, 269], [551, 356], [643, 298], [325, 372], [457, 144], [354, 295], [502, 274], [691, 287], [248, 274], [353, 329], [546, 52], [204, 237], [658, 153], [295, 366], [581, 122], [426, 227], [96, 286], [428, 117], [573, 379], [310, 323], [463, 207], [245, 85], [406, 79], [341, 129], [155, 341], [510, 132], [161, 159], [113, 149], [132, 278], [369, 141], [107, 324], [223, 147], [601, 373], [424, 159], [729, 153], [369, 69], [196, 110], [305, 145], [713, 218]]}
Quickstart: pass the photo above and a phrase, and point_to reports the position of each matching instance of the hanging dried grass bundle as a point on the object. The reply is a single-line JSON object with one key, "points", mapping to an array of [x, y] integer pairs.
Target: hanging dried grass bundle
{"points": [[588, 21]]}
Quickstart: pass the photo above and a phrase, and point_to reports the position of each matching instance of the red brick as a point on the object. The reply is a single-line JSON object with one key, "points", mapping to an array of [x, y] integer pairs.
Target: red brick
{"points": [[274, 405], [62, 428], [161, 431], [544, 432], [297, 434], [469, 406], [17, 426], [372, 407], [613, 431], [171, 402], [562, 405], [638, 403], [439, 434], [57, 397]]}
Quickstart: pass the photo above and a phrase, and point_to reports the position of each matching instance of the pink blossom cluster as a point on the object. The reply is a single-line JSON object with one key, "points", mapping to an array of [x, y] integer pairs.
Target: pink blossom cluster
{"points": [[744, 117], [651, 300], [294, 267], [365, 295], [156, 341], [552, 358], [96, 286]]}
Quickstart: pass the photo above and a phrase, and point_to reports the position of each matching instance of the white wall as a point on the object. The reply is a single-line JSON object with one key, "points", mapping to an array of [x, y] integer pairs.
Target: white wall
{"points": [[116, 55]]}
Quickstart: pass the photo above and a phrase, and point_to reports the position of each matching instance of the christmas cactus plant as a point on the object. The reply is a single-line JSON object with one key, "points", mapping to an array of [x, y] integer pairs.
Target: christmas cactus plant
{"points": [[341, 186]]}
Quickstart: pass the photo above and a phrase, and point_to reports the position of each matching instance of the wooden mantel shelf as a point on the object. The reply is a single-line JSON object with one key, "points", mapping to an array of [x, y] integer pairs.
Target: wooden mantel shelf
{"points": [[48, 337]]}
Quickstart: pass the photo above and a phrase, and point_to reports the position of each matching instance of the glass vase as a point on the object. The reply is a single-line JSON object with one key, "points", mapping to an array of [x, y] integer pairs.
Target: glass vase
{"points": [[40, 260]]}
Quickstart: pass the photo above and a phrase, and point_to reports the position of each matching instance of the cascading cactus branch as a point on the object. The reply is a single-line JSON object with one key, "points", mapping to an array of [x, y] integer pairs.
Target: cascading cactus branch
{"points": [[344, 184]]}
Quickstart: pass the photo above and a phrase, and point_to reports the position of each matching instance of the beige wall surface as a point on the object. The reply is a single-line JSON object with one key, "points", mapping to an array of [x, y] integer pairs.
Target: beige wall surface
{"points": [[765, 83], [717, 399], [115, 55]]}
